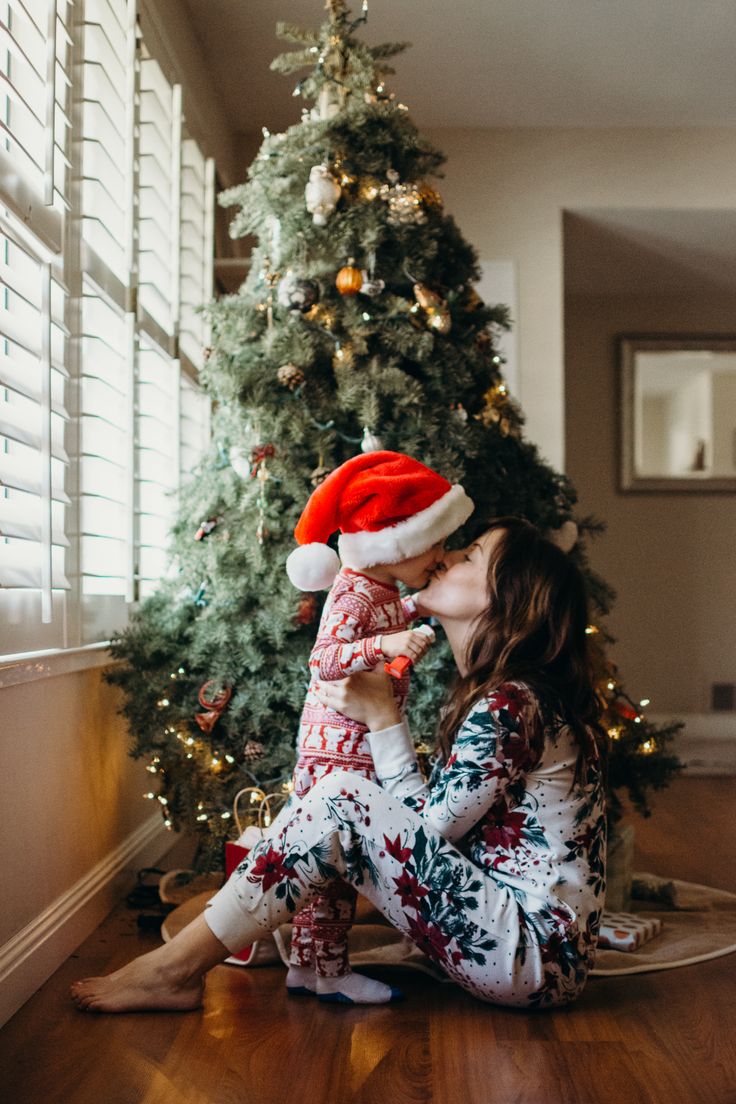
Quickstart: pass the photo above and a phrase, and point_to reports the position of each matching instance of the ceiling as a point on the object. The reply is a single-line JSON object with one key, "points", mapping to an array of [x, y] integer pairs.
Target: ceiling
{"points": [[629, 251], [500, 63]]}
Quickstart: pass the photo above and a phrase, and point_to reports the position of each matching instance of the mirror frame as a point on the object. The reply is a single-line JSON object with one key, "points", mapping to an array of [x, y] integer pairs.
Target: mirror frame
{"points": [[628, 345]]}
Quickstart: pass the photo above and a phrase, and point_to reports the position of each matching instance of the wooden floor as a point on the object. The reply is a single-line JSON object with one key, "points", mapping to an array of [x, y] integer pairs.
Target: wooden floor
{"points": [[662, 1038]]}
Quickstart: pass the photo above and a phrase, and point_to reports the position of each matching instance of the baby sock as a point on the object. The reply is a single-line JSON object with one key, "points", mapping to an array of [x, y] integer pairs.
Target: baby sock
{"points": [[336, 982]]}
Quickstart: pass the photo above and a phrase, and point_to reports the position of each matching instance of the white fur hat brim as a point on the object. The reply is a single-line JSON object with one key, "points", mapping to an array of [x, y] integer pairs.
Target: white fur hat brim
{"points": [[408, 538]]}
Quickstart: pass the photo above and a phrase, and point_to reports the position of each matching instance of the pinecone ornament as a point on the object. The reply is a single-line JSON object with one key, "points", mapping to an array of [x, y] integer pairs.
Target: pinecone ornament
{"points": [[290, 376], [252, 751]]}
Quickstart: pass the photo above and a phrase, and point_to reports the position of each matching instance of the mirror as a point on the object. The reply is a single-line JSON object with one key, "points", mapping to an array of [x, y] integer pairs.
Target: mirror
{"points": [[678, 413]]}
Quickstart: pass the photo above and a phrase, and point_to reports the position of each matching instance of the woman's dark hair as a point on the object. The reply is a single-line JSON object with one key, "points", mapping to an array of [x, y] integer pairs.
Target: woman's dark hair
{"points": [[532, 631]]}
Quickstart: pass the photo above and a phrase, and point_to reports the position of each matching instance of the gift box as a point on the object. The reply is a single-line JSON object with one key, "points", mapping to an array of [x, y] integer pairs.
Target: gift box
{"points": [[270, 949], [626, 931]]}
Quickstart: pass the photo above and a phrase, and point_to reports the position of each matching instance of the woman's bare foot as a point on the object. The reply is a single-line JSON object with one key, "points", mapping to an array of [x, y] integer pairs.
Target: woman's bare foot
{"points": [[146, 983]]}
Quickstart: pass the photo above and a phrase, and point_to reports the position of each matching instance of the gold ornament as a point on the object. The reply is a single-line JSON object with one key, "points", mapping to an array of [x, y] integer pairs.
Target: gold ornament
{"points": [[290, 376], [322, 315], [439, 320], [437, 314], [349, 279], [426, 298], [429, 196], [369, 188]]}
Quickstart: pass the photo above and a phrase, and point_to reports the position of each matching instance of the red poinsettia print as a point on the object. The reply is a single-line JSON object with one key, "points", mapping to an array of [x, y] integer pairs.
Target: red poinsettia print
{"points": [[394, 848], [428, 937], [504, 830], [269, 869], [410, 890]]}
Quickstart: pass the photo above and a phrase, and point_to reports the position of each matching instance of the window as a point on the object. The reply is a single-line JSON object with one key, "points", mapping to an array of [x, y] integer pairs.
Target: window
{"points": [[104, 264]]}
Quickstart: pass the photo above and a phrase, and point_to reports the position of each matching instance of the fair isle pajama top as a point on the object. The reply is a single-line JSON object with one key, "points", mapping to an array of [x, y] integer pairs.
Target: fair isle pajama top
{"points": [[495, 869], [357, 613]]}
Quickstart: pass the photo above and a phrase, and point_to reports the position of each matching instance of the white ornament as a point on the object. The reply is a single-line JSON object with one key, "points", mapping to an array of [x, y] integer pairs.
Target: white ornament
{"points": [[565, 537], [239, 461], [370, 286], [321, 193], [370, 442]]}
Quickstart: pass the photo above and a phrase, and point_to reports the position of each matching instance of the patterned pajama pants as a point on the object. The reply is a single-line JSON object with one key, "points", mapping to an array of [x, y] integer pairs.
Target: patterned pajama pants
{"points": [[465, 921]]}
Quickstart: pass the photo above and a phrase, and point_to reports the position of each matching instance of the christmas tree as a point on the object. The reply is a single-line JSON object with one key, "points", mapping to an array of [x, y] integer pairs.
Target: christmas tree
{"points": [[358, 328]]}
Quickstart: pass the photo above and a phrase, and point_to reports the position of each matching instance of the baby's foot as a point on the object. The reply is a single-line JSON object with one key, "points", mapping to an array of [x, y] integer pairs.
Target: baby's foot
{"points": [[356, 989], [301, 981], [143, 984]]}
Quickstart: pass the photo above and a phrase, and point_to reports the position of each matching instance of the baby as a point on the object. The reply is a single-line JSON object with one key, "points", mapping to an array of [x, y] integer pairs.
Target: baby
{"points": [[394, 515]]}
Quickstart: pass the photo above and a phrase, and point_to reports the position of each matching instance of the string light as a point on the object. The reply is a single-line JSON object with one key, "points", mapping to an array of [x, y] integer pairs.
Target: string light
{"points": [[162, 703], [647, 747], [591, 630], [611, 685], [225, 815], [202, 816], [615, 733], [644, 702], [150, 796]]}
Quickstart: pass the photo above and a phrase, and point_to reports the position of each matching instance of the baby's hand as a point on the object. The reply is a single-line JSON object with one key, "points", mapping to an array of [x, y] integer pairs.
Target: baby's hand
{"points": [[411, 643]]}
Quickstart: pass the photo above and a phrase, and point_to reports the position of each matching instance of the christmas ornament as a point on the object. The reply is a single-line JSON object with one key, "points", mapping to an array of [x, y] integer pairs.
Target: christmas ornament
{"points": [[307, 610], [321, 194], [239, 461], [321, 315], [371, 287], [207, 353], [214, 705], [370, 442], [297, 295], [438, 316], [565, 537], [319, 474], [403, 200], [349, 279], [259, 455], [290, 376], [625, 709], [459, 413], [253, 750], [429, 196], [205, 528], [369, 188]]}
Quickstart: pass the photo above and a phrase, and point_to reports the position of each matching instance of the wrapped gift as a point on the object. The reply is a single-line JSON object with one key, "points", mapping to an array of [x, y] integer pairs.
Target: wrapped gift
{"points": [[626, 931], [270, 949]]}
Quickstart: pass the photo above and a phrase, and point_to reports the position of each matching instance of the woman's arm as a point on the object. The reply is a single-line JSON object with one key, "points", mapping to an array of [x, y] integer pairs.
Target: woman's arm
{"points": [[494, 745]]}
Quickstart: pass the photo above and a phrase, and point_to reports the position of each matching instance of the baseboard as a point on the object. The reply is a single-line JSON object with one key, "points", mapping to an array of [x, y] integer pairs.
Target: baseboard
{"points": [[35, 952], [707, 743]]}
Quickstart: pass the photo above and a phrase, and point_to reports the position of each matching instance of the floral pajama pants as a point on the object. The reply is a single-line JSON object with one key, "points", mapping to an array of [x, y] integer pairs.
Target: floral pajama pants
{"points": [[465, 921]]}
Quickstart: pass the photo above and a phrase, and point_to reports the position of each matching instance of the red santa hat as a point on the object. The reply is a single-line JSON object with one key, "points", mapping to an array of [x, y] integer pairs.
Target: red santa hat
{"points": [[387, 506]]}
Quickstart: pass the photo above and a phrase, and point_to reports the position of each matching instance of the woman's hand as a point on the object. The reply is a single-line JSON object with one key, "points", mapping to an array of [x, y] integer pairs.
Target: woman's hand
{"points": [[366, 697]]}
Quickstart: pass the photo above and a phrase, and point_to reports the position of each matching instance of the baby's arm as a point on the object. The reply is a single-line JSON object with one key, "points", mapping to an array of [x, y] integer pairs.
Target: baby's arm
{"points": [[341, 648]]}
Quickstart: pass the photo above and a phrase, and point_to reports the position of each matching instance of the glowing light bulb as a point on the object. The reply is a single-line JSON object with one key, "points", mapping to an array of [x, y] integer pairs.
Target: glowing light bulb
{"points": [[611, 685], [643, 702], [225, 816], [149, 795]]}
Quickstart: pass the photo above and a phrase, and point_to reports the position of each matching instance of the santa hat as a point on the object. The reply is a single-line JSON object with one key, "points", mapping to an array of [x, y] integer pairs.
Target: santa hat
{"points": [[387, 506]]}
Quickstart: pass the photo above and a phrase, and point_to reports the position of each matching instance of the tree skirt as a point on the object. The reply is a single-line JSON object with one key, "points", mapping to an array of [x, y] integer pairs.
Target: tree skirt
{"points": [[700, 927]]}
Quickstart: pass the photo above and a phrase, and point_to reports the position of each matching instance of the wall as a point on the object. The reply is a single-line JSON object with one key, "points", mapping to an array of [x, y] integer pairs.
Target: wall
{"points": [[508, 189], [670, 557], [75, 826]]}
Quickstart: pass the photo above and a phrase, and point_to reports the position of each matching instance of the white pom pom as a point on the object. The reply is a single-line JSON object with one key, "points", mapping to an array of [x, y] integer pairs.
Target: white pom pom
{"points": [[565, 537], [313, 566]]}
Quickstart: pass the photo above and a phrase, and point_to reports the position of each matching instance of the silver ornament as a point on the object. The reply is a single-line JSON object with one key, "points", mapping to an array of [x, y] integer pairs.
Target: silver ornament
{"points": [[321, 194], [370, 442]]}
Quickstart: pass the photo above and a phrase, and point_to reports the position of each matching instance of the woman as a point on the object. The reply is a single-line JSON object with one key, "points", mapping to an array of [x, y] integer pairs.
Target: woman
{"points": [[496, 869]]}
